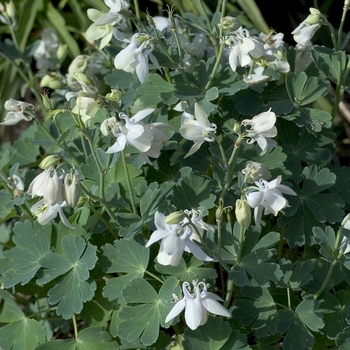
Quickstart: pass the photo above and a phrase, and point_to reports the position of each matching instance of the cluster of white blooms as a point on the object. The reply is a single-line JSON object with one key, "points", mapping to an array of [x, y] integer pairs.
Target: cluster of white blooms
{"points": [[149, 139], [58, 191], [197, 305], [256, 52], [178, 237]]}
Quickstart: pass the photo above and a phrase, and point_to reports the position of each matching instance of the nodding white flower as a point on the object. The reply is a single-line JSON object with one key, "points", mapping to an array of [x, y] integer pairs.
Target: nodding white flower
{"points": [[197, 128], [175, 238], [114, 13], [255, 171], [196, 218], [87, 101], [16, 112], [197, 305], [261, 130], [45, 212], [271, 43], [134, 58], [131, 131], [269, 196], [48, 185], [244, 48], [306, 29], [158, 141], [96, 32]]}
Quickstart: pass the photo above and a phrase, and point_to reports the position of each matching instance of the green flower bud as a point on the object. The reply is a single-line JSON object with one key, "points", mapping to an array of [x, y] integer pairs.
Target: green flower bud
{"points": [[237, 128], [315, 17], [83, 79], [229, 23], [114, 95], [11, 10], [219, 214], [175, 217], [51, 81], [243, 213], [49, 161], [78, 65], [71, 189], [47, 102]]}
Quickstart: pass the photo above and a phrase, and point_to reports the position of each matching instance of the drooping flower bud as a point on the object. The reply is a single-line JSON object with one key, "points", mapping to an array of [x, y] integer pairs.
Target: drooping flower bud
{"points": [[78, 65], [51, 81], [229, 23], [71, 189], [49, 161], [83, 79], [255, 171], [114, 95], [243, 213], [175, 217], [315, 16]]}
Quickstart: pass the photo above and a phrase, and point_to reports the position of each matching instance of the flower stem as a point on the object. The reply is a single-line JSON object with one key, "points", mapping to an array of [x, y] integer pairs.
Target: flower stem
{"points": [[154, 276], [127, 175], [75, 326], [137, 9]]}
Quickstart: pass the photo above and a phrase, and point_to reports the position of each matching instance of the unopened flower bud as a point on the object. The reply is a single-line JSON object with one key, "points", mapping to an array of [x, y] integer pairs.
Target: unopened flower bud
{"points": [[78, 65], [237, 128], [243, 213], [49, 161], [51, 81], [315, 17], [71, 189], [61, 52], [83, 79], [229, 23], [11, 10], [47, 102], [219, 214], [107, 125], [255, 171], [175, 217], [114, 95]]}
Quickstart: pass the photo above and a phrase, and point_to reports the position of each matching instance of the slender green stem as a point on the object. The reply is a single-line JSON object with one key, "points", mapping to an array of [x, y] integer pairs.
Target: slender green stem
{"points": [[106, 222], [326, 280], [217, 62], [223, 8], [154, 276], [137, 9], [127, 175], [75, 326], [99, 200], [288, 298], [37, 314], [229, 293], [231, 164], [240, 247], [340, 30]]}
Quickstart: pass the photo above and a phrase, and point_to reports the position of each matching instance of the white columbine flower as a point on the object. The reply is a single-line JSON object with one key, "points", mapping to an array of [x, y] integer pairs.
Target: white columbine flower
{"points": [[197, 305], [269, 196], [113, 15], [175, 239], [261, 130], [134, 58], [16, 112], [306, 29], [45, 212], [197, 128], [130, 131], [95, 32], [244, 48], [48, 185]]}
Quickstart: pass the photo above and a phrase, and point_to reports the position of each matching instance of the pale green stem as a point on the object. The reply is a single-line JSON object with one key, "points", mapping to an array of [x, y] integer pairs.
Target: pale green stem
{"points": [[37, 314], [127, 175], [240, 247], [288, 298], [137, 9], [107, 224], [228, 297], [231, 166], [75, 326], [217, 62], [331, 267], [154, 276], [340, 30], [100, 200]]}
